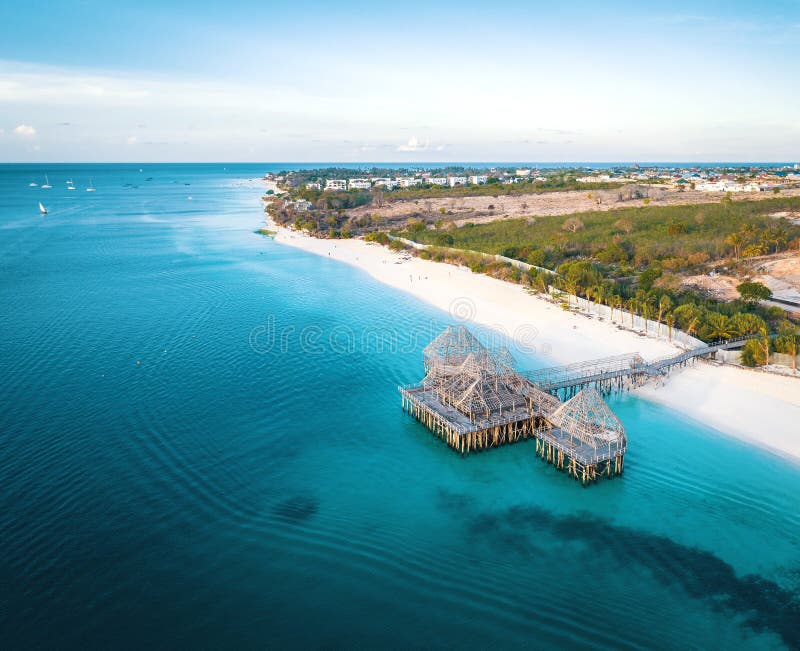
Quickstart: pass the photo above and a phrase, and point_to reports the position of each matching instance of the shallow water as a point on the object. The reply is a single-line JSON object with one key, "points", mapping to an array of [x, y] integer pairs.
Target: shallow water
{"points": [[201, 443]]}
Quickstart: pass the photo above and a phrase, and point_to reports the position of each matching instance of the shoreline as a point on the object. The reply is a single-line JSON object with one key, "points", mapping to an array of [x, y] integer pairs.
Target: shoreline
{"points": [[710, 394]]}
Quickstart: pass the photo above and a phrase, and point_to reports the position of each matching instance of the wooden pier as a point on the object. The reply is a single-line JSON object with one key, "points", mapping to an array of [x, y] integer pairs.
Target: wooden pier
{"points": [[621, 373], [474, 399]]}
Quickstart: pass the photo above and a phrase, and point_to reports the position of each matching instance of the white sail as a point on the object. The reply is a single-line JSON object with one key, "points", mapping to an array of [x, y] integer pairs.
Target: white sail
{"points": [[42, 209]]}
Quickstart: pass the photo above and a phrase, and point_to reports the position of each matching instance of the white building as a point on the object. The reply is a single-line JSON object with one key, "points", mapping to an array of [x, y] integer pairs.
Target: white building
{"points": [[728, 186], [302, 205], [360, 184], [408, 181], [336, 184], [599, 178], [453, 181], [478, 179], [437, 180], [522, 172], [313, 185], [389, 184]]}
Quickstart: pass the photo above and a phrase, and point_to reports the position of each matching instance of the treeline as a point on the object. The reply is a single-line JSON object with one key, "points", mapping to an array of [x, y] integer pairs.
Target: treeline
{"points": [[697, 316]]}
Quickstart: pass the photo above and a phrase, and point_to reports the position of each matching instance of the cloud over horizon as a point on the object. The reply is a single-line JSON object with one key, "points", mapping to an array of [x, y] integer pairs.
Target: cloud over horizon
{"points": [[25, 130]]}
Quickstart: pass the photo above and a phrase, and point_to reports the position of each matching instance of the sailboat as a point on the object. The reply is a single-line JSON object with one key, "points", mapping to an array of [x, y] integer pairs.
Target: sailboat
{"points": [[46, 185], [42, 209], [70, 185], [33, 184], [91, 186]]}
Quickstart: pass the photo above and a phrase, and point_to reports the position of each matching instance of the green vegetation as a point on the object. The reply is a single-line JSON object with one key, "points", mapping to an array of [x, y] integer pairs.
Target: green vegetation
{"points": [[672, 237], [631, 258], [753, 292], [377, 236]]}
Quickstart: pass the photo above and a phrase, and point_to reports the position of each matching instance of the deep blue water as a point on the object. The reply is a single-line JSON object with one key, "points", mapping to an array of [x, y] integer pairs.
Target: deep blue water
{"points": [[174, 476]]}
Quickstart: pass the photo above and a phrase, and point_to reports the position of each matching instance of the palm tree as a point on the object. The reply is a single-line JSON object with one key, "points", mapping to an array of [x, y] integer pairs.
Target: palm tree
{"points": [[764, 341], [779, 238], [718, 326], [670, 319], [744, 324], [614, 299], [633, 303], [737, 241], [664, 305], [788, 340]]}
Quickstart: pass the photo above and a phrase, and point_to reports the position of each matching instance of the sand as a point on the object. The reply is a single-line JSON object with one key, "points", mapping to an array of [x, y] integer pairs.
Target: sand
{"points": [[756, 407]]}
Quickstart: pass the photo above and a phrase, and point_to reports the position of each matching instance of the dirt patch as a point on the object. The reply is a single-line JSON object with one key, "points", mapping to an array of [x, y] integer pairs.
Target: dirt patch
{"points": [[719, 286], [781, 275], [489, 208]]}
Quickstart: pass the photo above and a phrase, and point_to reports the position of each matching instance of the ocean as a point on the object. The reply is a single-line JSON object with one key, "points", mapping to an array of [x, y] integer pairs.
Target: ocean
{"points": [[202, 446]]}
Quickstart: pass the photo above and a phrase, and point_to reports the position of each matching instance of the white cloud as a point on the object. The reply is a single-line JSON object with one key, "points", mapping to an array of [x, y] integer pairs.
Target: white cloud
{"points": [[414, 144], [131, 140], [25, 130]]}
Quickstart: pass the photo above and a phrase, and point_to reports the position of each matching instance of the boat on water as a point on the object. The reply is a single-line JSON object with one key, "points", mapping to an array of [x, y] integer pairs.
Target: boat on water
{"points": [[70, 185], [33, 184], [42, 209], [91, 186], [46, 185]]}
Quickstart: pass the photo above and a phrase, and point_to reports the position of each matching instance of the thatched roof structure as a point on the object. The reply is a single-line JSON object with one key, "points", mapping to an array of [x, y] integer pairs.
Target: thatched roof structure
{"points": [[587, 418]]}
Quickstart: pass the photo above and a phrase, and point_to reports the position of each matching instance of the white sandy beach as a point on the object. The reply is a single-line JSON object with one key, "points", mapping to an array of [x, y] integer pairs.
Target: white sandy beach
{"points": [[757, 407]]}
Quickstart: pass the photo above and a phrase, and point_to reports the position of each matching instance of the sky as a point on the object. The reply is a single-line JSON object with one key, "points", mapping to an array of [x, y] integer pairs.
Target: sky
{"points": [[412, 81]]}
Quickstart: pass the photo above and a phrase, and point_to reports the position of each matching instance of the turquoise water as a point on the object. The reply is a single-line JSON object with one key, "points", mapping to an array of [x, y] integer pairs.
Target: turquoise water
{"points": [[198, 449]]}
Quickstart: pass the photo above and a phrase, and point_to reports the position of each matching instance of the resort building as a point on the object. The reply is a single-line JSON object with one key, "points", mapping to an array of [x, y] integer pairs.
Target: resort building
{"points": [[336, 184], [478, 179], [313, 185], [437, 180], [408, 182], [360, 184], [453, 181], [389, 184], [522, 172]]}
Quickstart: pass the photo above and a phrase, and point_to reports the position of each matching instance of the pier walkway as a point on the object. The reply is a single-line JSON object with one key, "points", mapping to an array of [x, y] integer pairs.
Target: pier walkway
{"points": [[620, 372]]}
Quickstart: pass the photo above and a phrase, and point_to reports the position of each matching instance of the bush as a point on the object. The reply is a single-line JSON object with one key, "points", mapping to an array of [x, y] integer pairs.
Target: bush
{"points": [[378, 236], [753, 292], [753, 354]]}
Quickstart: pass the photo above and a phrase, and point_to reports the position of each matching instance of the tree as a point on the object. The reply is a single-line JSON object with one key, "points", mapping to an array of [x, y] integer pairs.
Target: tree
{"points": [[670, 319], [753, 354], [717, 326], [664, 305], [648, 277], [753, 292], [737, 241], [744, 324], [788, 340]]}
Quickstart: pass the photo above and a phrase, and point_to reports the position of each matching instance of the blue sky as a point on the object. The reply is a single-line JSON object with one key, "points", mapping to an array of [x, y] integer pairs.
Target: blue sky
{"points": [[426, 81]]}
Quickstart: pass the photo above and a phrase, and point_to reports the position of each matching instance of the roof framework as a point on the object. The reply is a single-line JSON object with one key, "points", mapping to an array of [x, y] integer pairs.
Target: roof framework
{"points": [[480, 383], [588, 419]]}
